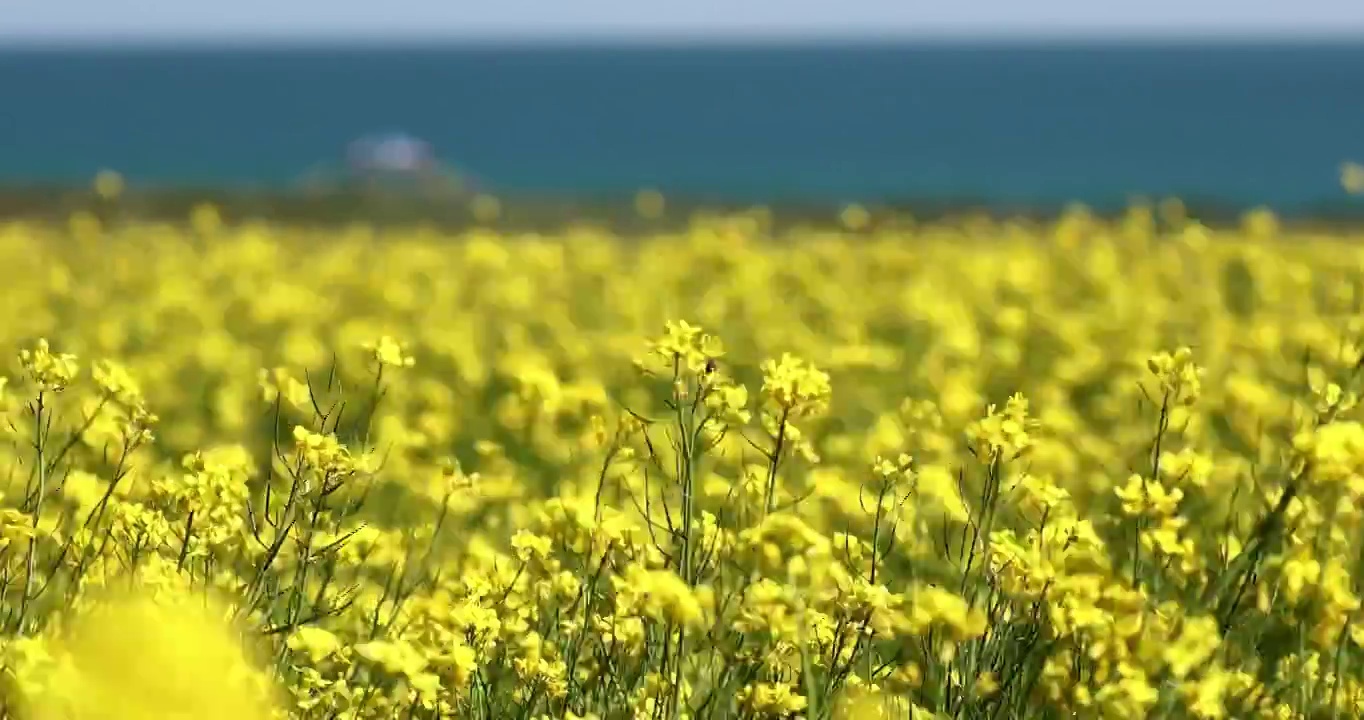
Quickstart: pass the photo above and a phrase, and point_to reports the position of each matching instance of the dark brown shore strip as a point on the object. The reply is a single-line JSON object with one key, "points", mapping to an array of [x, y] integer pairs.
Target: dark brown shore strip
{"points": [[545, 214]]}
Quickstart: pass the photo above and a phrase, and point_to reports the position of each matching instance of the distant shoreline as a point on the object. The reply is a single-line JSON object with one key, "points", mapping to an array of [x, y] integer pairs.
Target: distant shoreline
{"points": [[1196, 38], [532, 213]]}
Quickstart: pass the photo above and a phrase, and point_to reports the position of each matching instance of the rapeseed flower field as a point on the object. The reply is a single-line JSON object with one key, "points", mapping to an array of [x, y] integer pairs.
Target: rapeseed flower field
{"points": [[985, 470]]}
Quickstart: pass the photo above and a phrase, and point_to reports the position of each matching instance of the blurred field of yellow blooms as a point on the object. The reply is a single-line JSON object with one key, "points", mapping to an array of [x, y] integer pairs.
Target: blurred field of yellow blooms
{"points": [[876, 468]]}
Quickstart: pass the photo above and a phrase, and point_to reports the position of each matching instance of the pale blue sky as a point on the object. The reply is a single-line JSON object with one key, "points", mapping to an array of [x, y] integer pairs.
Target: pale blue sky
{"points": [[242, 19]]}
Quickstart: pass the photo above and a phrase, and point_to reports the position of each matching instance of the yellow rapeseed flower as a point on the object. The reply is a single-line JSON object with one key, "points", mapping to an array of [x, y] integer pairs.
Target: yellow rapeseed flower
{"points": [[132, 656]]}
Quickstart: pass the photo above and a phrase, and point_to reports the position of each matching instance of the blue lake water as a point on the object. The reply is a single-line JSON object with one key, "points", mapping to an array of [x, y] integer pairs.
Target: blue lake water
{"points": [[1243, 123]]}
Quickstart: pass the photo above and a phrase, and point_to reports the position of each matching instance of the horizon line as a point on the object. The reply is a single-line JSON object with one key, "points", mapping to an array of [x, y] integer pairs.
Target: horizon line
{"points": [[731, 39]]}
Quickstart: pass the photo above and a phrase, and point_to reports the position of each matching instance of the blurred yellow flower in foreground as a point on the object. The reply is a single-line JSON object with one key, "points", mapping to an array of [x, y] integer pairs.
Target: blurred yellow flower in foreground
{"points": [[869, 704], [1352, 178], [108, 184], [137, 656]]}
